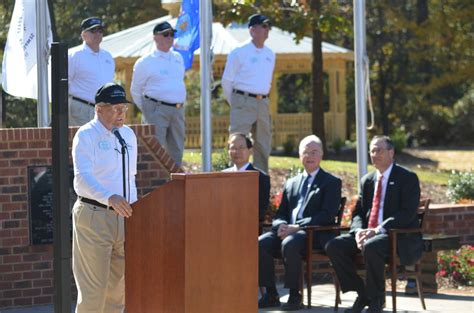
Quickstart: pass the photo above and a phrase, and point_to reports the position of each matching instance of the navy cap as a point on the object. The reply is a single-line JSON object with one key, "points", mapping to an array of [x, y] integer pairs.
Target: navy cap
{"points": [[258, 19], [91, 22], [162, 27], [111, 93]]}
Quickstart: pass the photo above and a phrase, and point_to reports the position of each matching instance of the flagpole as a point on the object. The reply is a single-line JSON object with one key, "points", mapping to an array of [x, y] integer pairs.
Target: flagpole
{"points": [[360, 96], [205, 58], [42, 53]]}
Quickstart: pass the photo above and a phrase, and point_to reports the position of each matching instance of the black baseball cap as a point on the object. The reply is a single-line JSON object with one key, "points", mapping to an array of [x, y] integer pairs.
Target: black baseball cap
{"points": [[91, 22], [162, 27], [111, 93], [258, 19]]}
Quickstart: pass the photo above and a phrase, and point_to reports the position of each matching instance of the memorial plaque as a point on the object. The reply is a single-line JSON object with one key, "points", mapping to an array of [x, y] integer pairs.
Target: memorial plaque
{"points": [[40, 195]]}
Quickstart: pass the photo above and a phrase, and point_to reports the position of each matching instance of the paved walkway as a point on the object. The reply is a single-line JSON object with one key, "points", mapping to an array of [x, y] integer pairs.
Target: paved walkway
{"points": [[323, 302]]}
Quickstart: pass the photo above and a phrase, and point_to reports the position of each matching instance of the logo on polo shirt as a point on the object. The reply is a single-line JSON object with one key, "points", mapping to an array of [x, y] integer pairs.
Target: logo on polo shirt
{"points": [[104, 145]]}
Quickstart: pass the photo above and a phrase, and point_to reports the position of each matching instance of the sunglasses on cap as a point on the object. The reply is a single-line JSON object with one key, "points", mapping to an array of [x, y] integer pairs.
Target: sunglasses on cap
{"points": [[96, 30]]}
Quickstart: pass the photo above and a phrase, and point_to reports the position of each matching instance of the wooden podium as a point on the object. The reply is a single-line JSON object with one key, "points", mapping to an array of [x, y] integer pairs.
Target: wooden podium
{"points": [[191, 246]]}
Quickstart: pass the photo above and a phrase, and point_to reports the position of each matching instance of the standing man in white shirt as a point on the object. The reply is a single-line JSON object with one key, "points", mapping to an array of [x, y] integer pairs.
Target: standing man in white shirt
{"points": [[89, 68], [98, 260], [246, 82], [158, 90]]}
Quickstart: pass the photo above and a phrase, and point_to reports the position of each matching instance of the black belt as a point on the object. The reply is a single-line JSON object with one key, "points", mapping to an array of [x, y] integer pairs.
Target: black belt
{"points": [[259, 97], [175, 105], [93, 202], [83, 101]]}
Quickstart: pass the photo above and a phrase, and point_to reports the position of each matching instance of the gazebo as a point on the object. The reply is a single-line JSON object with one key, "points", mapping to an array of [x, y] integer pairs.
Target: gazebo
{"points": [[128, 45]]}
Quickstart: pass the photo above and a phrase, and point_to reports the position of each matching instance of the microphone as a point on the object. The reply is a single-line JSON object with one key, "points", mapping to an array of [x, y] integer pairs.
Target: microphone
{"points": [[116, 132]]}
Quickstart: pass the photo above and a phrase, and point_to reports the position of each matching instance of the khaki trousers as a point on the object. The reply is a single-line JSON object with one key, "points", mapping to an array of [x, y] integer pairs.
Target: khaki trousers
{"points": [[249, 115], [79, 113], [98, 259], [169, 127]]}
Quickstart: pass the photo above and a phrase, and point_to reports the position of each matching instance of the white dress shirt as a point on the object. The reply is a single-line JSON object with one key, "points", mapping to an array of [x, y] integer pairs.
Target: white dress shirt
{"points": [[88, 71], [159, 75], [249, 69], [98, 162], [384, 182], [297, 214]]}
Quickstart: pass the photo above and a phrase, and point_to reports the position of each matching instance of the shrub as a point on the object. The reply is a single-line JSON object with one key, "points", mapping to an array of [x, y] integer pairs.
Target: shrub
{"points": [[457, 266], [222, 161], [461, 186], [399, 138], [337, 145], [289, 146]]}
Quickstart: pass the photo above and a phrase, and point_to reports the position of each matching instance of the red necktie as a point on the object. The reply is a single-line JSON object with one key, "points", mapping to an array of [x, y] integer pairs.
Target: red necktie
{"points": [[374, 212]]}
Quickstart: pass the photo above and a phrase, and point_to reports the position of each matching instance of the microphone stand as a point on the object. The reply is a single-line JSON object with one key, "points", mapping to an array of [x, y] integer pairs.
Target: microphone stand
{"points": [[122, 142], [124, 147]]}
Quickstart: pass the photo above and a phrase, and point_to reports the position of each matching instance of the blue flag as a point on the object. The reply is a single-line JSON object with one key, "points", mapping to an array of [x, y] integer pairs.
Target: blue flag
{"points": [[187, 36]]}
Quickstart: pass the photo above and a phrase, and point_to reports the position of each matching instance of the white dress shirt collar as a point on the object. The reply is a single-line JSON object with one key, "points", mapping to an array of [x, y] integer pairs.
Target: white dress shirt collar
{"points": [[242, 169]]}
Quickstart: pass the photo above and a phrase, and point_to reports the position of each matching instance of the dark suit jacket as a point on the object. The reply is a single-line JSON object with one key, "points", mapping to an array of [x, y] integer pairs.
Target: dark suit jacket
{"points": [[263, 189], [320, 206], [401, 202]]}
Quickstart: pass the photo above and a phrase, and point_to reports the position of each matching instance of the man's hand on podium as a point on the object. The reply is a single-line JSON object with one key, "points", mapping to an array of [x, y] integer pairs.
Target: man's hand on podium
{"points": [[120, 205]]}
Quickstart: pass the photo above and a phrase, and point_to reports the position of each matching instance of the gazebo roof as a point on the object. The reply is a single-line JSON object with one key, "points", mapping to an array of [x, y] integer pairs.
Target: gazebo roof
{"points": [[137, 41]]}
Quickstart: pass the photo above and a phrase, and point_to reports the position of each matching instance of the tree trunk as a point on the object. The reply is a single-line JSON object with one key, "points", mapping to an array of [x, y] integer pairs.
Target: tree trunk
{"points": [[317, 116]]}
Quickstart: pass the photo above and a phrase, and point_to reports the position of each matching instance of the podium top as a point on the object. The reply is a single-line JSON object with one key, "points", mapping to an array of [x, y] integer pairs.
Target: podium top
{"points": [[185, 176]]}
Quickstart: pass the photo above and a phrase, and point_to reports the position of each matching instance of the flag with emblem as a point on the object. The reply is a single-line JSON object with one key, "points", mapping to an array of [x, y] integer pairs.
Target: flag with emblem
{"points": [[187, 31], [19, 68]]}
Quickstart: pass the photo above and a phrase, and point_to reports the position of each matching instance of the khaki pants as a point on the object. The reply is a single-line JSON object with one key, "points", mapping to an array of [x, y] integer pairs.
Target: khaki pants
{"points": [[169, 127], [249, 115], [98, 259], [79, 113]]}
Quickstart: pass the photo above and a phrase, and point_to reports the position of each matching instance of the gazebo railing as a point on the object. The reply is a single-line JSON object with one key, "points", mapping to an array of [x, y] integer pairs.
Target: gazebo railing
{"points": [[288, 126]]}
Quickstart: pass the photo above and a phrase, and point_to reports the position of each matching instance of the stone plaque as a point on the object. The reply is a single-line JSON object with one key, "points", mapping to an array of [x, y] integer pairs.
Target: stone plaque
{"points": [[40, 196]]}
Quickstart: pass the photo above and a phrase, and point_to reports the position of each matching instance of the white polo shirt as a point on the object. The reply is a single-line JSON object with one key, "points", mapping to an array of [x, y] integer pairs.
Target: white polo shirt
{"points": [[98, 162], [88, 71], [249, 69], [159, 75]]}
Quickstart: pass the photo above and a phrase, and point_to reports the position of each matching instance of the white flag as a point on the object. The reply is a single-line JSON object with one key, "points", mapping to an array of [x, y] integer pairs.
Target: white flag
{"points": [[19, 73]]}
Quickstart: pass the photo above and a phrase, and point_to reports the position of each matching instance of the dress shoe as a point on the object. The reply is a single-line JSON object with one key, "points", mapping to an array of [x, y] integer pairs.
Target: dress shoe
{"points": [[358, 306], [269, 301], [294, 303], [376, 306]]}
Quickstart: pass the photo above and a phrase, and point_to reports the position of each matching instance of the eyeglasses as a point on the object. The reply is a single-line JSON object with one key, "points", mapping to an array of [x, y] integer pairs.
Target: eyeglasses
{"points": [[311, 153], [97, 30], [265, 26], [376, 150], [119, 109]]}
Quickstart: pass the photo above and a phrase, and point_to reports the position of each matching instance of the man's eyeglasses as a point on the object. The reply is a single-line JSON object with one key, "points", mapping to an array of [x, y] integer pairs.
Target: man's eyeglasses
{"points": [[376, 150], [265, 26], [120, 109], [97, 30], [311, 153]]}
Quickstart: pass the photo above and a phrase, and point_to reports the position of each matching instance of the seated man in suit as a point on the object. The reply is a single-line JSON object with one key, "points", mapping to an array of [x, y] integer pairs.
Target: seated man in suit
{"points": [[240, 149], [388, 199], [310, 198]]}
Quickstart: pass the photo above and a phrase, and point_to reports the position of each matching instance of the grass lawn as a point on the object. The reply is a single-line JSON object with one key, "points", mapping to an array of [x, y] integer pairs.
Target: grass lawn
{"points": [[284, 162]]}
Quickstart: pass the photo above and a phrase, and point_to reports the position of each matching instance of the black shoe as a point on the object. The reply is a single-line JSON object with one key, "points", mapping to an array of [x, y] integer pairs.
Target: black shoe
{"points": [[294, 303], [358, 306], [269, 301], [376, 306]]}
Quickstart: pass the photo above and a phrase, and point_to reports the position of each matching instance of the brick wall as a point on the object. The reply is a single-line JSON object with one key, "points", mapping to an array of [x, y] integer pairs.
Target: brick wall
{"points": [[26, 273], [452, 219]]}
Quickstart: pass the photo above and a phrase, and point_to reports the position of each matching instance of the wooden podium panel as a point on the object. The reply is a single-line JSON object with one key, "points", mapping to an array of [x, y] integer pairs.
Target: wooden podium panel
{"points": [[191, 246]]}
